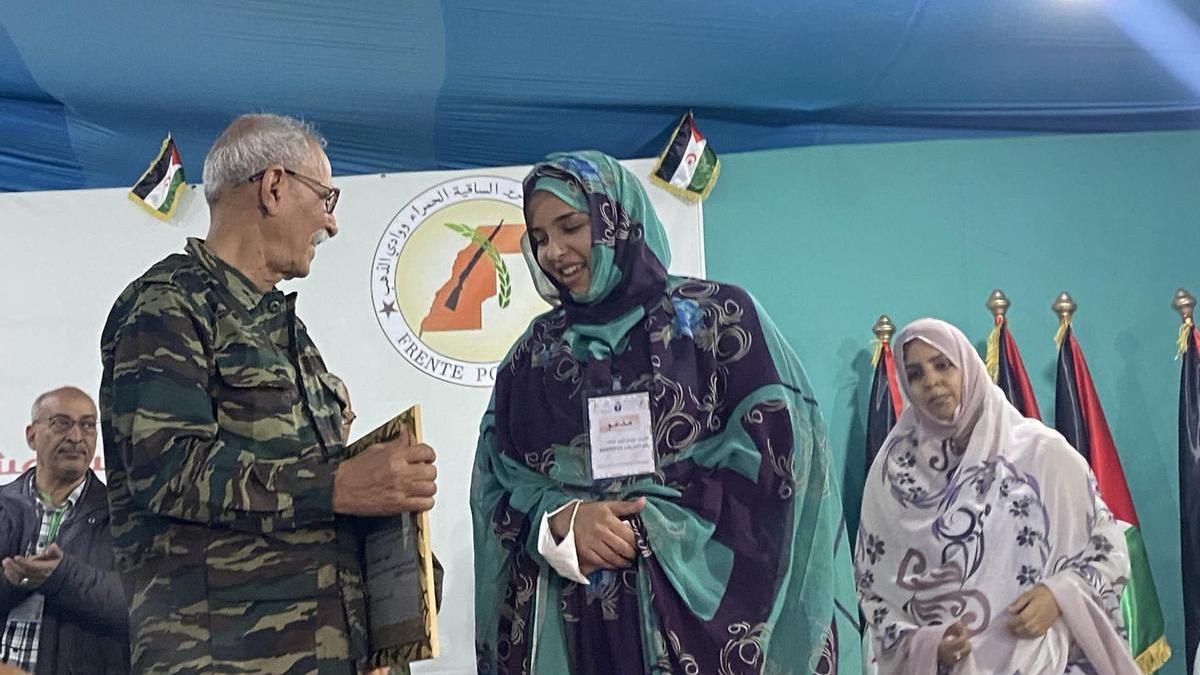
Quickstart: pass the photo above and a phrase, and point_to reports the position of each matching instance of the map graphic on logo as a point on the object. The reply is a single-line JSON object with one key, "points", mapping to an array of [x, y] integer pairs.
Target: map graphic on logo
{"points": [[448, 283]]}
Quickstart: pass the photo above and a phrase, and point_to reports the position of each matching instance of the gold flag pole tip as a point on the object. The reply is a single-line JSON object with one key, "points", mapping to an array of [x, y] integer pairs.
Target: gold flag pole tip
{"points": [[998, 303], [1184, 303], [1064, 306], [883, 330]]}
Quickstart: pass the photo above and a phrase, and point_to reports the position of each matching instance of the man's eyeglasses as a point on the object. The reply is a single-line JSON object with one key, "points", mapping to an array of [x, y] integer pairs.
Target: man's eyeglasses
{"points": [[328, 194], [61, 424]]}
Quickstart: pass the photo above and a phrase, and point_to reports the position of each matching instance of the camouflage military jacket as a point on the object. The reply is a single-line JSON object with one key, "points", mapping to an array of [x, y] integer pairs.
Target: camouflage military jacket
{"points": [[222, 431]]}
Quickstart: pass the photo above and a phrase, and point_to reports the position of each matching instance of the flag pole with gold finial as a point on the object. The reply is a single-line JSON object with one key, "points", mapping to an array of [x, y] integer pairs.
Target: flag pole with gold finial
{"points": [[885, 402], [1189, 474], [1185, 304], [1064, 306], [1080, 418], [883, 330], [998, 304]]}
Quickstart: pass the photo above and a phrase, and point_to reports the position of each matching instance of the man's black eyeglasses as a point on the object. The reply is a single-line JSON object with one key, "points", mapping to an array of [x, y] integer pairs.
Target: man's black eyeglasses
{"points": [[328, 194]]}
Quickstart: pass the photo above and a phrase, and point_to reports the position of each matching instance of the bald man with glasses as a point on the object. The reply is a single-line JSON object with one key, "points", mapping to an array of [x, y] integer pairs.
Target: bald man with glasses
{"points": [[63, 602]]}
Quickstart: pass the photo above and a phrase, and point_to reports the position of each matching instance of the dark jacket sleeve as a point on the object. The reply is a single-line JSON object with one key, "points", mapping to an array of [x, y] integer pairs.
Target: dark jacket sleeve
{"points": [[11, 534], [89, 592]]}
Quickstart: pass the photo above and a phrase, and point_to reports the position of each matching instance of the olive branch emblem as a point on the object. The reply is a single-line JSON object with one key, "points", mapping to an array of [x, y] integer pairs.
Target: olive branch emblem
{"points": [[488, 248]]}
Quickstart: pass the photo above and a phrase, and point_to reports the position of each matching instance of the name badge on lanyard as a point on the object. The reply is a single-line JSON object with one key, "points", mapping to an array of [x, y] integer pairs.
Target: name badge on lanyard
{"points": [[621, 431]]}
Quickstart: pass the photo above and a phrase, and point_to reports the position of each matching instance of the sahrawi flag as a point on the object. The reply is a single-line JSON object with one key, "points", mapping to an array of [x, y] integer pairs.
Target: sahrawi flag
{"points": [[1189, 491], [1007, 369], [885, 404], [688, 167], [1080, 419], [159, 189]]}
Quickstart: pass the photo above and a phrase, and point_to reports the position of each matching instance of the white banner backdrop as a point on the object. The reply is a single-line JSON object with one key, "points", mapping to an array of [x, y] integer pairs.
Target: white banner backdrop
{"points": [[403, 303]]}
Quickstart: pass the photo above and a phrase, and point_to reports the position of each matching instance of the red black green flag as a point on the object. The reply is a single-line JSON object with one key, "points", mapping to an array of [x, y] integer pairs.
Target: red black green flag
{"points": [[1079, 417], [883, 408], [1189, 490], [1008, 370], [159, 188], [688, 166]]}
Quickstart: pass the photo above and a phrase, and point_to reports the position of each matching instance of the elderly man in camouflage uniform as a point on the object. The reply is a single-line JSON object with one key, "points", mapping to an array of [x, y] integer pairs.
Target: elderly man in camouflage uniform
{"points": [[222, 433]]}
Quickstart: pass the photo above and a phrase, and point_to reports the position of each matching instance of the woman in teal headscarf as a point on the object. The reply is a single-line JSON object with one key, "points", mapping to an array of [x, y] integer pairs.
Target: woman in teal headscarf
{"points": [[725, 552]]}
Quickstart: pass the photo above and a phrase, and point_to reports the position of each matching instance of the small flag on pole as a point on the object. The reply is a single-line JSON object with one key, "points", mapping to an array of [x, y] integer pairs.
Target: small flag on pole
{"points": [[1080, 419], [1004, 362], [688, 166], [159, 189]]}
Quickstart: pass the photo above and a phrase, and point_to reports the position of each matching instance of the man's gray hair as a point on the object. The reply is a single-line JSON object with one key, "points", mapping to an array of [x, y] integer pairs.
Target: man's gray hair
{"points": [[40, 401], [250, 144]]}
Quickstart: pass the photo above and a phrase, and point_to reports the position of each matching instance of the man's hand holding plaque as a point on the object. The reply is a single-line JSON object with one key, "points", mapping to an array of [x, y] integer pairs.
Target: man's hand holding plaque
{"points": [[387, 481], [387, 478]]}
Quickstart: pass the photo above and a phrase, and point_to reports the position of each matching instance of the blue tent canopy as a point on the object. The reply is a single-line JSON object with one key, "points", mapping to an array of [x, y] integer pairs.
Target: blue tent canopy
{"points": [[88, 91]]}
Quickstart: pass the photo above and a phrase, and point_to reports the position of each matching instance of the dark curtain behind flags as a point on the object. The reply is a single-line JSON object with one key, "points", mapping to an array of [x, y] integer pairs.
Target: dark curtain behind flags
{"points": [[1080, 418], [883, 408], [1004, 362], [1189, 488]]}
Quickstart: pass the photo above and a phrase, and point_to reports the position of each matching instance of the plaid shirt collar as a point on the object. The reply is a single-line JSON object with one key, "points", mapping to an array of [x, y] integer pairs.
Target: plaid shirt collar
{"points": [[72, 498]]}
